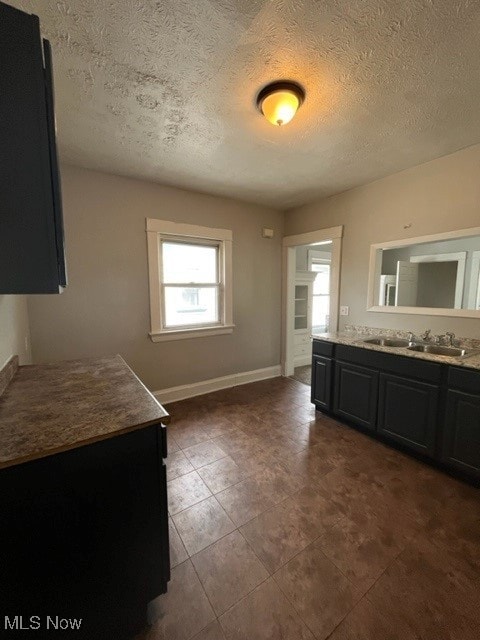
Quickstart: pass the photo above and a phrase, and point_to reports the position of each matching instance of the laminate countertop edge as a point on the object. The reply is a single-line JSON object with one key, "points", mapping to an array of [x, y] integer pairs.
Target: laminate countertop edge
{"points": [[53, 408]]}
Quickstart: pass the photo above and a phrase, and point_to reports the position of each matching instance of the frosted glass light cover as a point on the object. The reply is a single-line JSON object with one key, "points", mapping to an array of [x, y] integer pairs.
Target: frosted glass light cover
{"points": [[280, 106]]}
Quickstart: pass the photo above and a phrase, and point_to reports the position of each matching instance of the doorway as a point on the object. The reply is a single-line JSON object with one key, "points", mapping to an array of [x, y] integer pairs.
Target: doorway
{"points": [[311, 267], [320, 263]]}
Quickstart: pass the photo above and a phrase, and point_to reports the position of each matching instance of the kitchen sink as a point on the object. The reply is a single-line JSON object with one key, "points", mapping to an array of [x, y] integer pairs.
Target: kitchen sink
{"points": [[388, 342], [438, 350], [434, 349]]}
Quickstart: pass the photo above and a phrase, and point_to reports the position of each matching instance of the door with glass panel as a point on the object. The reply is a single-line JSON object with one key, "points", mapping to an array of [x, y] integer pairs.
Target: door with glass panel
{"points": [[321, 296]]}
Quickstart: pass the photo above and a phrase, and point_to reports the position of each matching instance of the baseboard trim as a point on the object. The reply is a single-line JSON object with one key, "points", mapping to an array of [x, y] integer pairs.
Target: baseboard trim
{"points": [[216, 384]]}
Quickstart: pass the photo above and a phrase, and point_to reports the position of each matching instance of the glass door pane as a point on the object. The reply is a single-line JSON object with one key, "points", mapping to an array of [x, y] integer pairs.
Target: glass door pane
{"points": [[301, 306], [321, 298]]}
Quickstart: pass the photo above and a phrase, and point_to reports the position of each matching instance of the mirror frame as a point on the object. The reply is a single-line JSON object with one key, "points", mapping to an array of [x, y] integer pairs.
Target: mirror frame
{"points": [[375, 268]]}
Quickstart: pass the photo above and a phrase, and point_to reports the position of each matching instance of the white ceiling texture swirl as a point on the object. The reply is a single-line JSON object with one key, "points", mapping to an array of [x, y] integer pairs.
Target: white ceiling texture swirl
{"points": [[165, 91]]}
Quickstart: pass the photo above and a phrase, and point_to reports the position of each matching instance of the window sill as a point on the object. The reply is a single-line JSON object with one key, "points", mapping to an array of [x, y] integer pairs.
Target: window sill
{"points": [[182, 334]]}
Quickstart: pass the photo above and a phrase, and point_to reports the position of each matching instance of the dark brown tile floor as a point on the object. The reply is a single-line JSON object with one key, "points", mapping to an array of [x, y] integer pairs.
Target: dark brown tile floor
{"points": [[286, 525]]}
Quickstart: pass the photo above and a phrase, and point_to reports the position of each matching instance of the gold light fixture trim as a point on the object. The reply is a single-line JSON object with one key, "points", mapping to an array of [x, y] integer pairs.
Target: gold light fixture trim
{"points": [[280, 101]]}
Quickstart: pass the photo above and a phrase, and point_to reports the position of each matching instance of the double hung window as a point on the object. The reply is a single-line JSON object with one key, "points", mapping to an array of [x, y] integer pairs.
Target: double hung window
{"points": [[190, 272]]}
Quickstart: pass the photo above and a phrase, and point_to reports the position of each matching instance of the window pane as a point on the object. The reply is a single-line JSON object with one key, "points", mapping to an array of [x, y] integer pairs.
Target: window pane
{"points": [[321, 284], [189, 263], [320, 313], [190, 306]]}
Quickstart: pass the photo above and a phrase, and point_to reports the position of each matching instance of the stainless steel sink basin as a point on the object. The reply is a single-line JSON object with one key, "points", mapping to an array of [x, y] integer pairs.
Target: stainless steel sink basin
{"points": [[388, 342], [438, 350]]}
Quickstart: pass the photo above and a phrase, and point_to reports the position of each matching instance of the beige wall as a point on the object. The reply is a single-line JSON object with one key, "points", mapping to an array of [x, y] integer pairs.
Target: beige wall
{"points": [[105, 308], [14, 330], [438, 196]]}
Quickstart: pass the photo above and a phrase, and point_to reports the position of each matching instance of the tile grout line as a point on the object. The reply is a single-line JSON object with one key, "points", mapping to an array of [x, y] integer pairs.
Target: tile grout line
{"points": [[217, 617], [212, 543], [206, 595], [364, 596], [181, 540], [286, 596], [408, 541], [346, 578], [269, 575]]}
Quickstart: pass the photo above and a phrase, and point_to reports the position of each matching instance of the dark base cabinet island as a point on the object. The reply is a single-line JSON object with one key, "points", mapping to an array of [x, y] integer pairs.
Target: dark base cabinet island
{"points": [[426, 405], [83, 503]]}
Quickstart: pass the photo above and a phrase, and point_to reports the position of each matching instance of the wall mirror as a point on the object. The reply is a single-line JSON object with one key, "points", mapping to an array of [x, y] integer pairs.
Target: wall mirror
{"points": [[430, 275]]}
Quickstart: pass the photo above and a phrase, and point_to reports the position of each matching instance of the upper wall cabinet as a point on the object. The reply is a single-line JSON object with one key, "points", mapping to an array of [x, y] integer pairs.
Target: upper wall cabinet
{"points": [[31, 229], [430, 275]]}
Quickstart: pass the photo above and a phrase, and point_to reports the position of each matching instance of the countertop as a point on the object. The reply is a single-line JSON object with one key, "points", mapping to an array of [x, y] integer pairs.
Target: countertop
{"points": [[46, 409], [356, 339]]}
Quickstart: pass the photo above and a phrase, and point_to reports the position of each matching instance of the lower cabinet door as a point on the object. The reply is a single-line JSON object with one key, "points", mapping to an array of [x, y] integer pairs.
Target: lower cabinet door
{"points": [[356, 394], [461, 438], [321, 382], [408, 412]]}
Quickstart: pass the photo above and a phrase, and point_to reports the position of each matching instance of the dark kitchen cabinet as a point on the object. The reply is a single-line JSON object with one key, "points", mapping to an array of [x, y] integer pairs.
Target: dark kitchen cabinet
{"points": [[355, 394], [31, 228], [321, 382], [407, 412], [427, 407], [87, 534], [322, 371], [164, 531], [461, 436]]}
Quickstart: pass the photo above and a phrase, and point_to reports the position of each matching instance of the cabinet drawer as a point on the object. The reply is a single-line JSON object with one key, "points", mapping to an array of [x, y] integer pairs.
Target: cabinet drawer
{"points": [[407, 412], [400, 365], [321, 348], [464, 380]]}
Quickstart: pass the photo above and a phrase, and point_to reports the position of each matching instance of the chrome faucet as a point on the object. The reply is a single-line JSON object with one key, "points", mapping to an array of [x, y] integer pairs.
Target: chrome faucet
{"points": [[450, 339], [447, 339]]}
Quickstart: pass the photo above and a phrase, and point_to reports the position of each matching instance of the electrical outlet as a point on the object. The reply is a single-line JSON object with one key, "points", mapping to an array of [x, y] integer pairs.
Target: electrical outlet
{"points": [[344, 311]]}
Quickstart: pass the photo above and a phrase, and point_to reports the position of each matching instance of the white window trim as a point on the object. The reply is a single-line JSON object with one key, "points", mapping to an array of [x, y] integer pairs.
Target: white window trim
{"points": [[319, 257], [474, 289], [156, 228], [461, 260]]}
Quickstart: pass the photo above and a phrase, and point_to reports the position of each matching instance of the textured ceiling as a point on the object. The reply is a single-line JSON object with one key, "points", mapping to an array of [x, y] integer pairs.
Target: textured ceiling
{"points": [[165, 90]]}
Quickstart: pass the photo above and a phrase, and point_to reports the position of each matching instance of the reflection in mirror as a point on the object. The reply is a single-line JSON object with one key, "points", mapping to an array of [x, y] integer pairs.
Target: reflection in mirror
{"points": [[443, 274]]}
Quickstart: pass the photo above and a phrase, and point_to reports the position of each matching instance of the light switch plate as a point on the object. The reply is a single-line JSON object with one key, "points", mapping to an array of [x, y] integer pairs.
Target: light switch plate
{"points": [[344, 311]]}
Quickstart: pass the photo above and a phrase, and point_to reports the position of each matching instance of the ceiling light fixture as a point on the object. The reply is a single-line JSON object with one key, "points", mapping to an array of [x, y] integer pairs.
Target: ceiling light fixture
{"points": [[280, 101]]}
